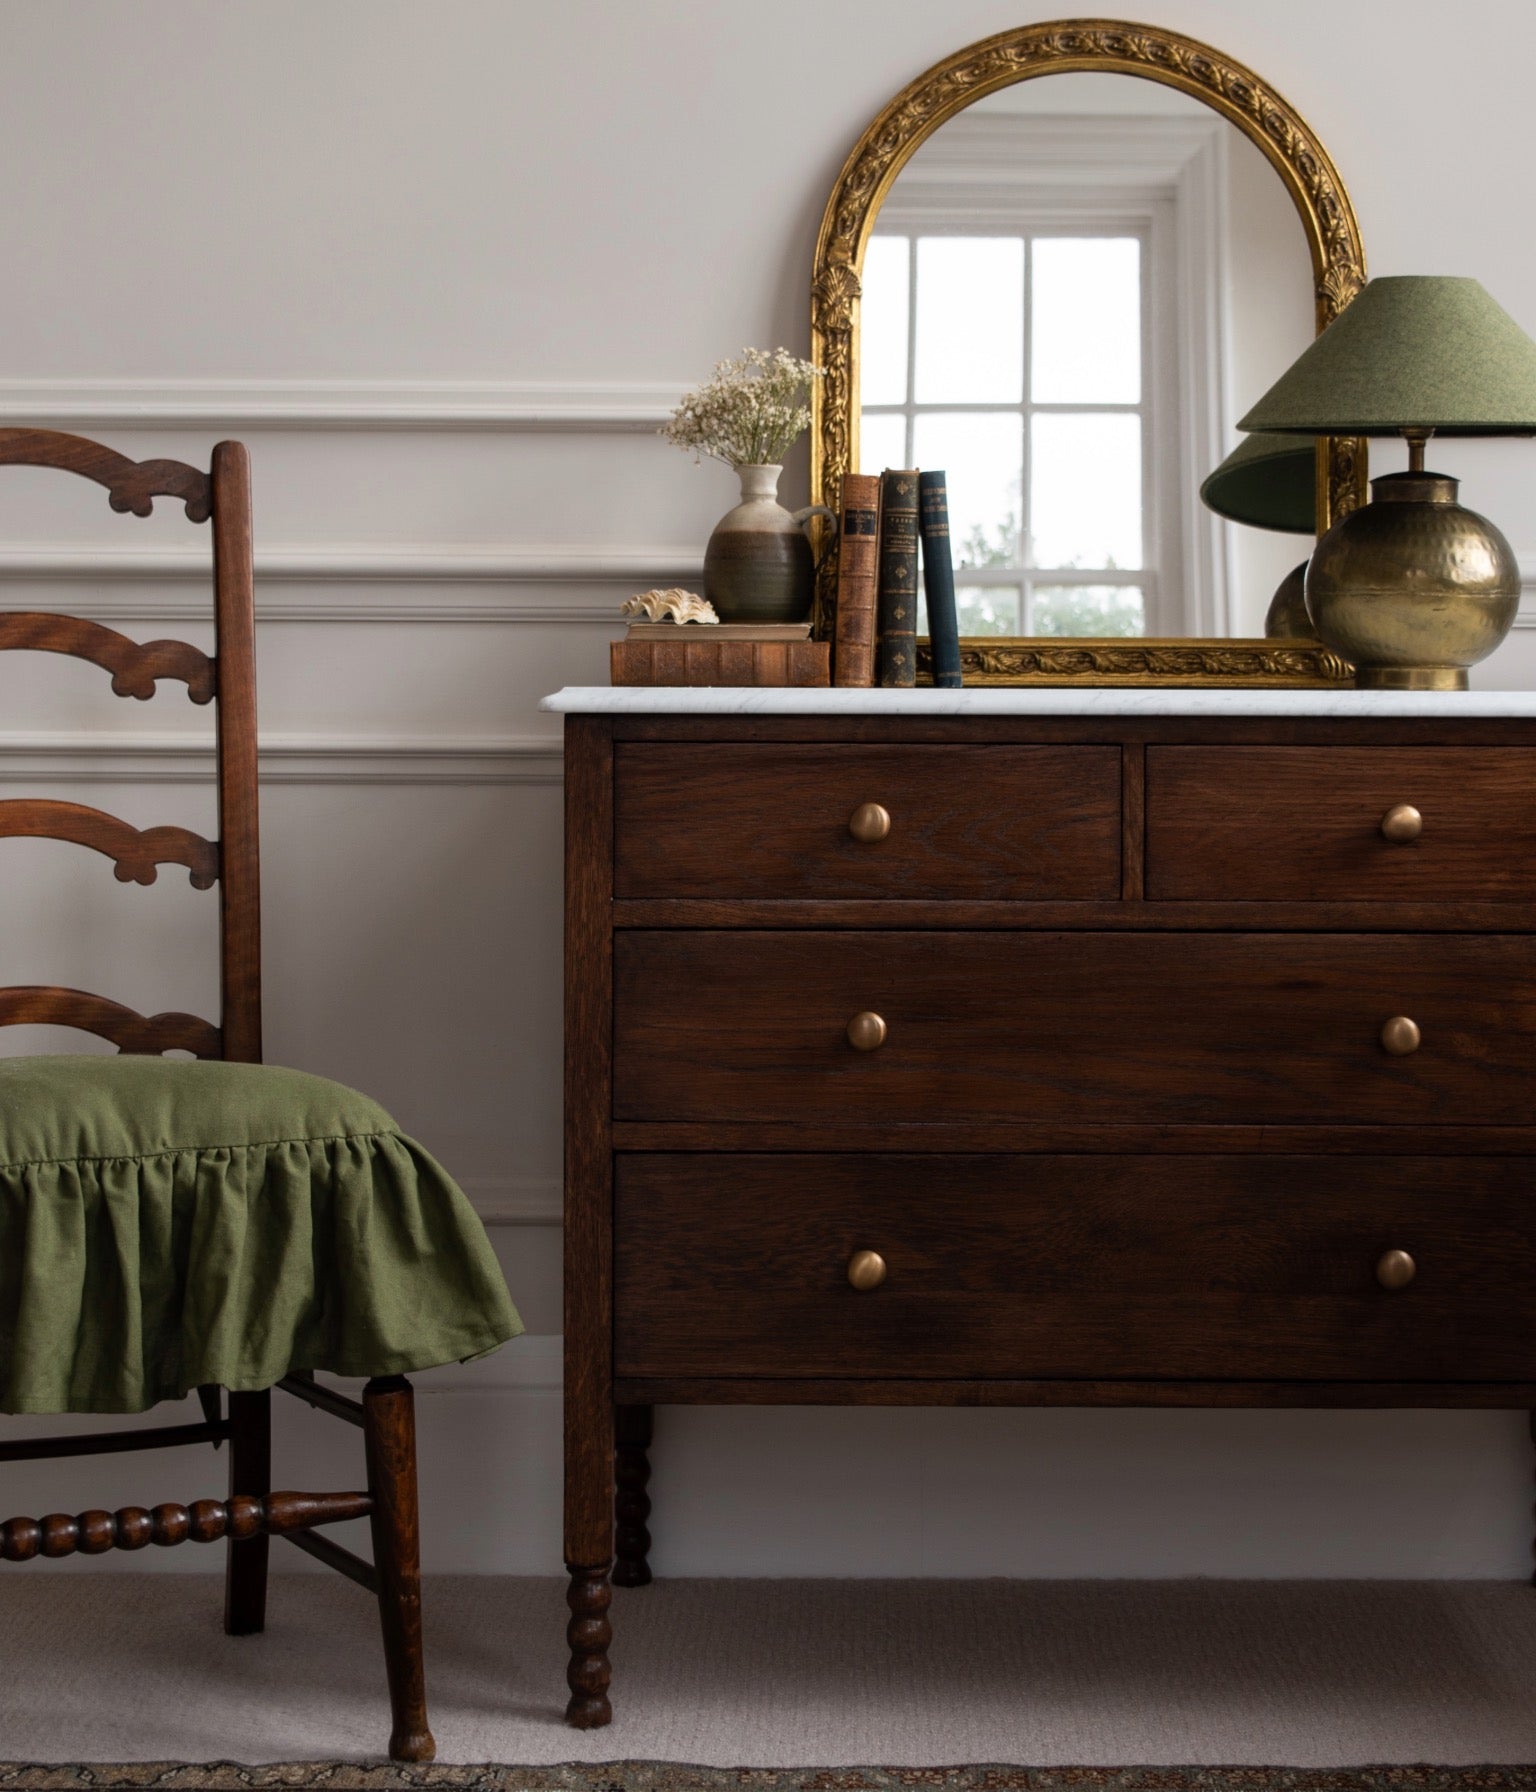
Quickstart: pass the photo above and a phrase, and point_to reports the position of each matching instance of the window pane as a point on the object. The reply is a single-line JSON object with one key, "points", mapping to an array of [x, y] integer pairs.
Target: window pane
{"points": [[984, 612], [1088, 610], [980, 610], [982, 453], [882, 442], [883, 321], [1085, 490], [1085, 346], [970, 320]]}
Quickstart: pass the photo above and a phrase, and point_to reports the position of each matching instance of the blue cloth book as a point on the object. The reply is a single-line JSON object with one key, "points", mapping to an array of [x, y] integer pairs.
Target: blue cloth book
{"points": [[939, 579]]}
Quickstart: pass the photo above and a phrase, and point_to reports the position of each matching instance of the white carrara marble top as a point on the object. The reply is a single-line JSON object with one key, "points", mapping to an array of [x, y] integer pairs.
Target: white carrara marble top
{"points": [[729, 700]]}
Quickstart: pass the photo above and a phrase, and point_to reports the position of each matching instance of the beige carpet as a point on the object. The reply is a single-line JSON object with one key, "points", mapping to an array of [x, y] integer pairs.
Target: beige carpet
{"points": [[123, 1667]]}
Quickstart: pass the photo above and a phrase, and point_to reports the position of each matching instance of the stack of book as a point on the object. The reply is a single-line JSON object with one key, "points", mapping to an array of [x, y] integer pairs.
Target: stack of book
{"points": [[883, 520], [711, 653]]}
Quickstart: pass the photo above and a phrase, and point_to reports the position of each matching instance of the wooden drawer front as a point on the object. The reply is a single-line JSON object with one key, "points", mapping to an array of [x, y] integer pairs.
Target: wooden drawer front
{"points": [[984, 823], [1073, 1027], [1303, 824], [1202, 1267]]}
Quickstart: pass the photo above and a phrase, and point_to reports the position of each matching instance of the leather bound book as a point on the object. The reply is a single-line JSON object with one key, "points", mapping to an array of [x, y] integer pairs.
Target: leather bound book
{"points": [[858, 579], [939, 579], [692, 660], [898, 577]]}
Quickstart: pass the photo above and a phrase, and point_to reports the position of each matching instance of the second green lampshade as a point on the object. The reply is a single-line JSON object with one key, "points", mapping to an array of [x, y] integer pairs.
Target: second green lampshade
{"points": [[1268, 482], [1412, 351]]}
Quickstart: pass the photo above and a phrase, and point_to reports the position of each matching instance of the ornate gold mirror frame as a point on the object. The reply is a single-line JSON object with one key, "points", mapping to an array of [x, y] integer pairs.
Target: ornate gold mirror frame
{"points": [[1103, 46]]}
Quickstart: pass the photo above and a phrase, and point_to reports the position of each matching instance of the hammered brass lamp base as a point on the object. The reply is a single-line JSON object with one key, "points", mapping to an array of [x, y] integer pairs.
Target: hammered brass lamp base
{"points": [[1411, 678]]}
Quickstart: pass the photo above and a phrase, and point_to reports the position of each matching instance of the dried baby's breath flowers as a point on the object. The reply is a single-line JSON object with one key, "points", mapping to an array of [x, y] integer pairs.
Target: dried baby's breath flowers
{"points": [[750, 412]]}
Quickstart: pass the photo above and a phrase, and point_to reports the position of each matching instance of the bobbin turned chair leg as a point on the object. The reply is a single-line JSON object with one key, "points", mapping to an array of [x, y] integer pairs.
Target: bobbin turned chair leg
{"points": [[389, 1437], [250, 1471]]}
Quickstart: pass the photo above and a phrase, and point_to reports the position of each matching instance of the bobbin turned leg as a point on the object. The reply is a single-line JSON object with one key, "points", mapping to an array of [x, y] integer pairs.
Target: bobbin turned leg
{"points": [[590, 1446], [389, 1439], [589, 1633], [632, 1504], [250, 1471]]}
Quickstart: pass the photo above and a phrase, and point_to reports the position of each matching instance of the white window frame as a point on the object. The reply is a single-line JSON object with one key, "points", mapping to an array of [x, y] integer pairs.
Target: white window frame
{"points": [[1163, 180]]}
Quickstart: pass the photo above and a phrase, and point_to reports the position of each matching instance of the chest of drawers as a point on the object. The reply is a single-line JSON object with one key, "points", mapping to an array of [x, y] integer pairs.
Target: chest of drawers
{"points": [[1021, 1056]]}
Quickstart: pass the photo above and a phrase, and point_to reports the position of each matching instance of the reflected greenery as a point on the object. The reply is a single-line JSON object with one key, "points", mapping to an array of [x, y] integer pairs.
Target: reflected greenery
{"points": [[1088, 610]]}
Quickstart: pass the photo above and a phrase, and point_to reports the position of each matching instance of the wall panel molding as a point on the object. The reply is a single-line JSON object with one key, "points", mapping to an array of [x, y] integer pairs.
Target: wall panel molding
{"points": [[482, 583], [407, 582], [353, 583], [581, 406], [131, 758]]}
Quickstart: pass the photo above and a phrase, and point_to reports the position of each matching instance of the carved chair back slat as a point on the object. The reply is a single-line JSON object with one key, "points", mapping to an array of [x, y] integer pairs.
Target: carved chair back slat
{"points": [[51, 1005], [132, 485], [135, 666], [137, 852]]}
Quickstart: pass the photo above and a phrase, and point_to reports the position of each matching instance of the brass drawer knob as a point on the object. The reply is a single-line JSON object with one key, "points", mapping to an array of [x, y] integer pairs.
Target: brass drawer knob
{"points": [[1400, 1036], [1394, 1270], [866, 1032], [1402, 823], [866, 1270], [869, 822]]}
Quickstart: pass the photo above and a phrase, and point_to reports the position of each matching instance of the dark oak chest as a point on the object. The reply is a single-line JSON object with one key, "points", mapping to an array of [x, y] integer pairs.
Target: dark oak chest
{"points": [[1029, 1060]]}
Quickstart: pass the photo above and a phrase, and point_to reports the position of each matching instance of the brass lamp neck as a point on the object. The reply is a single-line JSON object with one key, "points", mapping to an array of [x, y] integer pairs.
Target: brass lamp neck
{"points": [[1417, 438]]}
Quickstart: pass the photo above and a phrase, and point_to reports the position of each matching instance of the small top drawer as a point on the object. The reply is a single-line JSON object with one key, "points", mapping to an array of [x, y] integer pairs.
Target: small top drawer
{"points": [[988, 823], [1341, 824]]}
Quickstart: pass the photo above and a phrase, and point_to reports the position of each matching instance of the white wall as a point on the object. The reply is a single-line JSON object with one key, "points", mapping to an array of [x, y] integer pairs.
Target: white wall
{"points": [[519, 231]]}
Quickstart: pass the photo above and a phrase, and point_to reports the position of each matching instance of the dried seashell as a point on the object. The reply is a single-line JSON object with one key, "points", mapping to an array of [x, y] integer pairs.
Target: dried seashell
{"points": [[674, 605]]}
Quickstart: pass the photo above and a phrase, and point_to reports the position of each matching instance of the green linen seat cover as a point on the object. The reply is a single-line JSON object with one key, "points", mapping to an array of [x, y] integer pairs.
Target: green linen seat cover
{"points": [[166, 1224]]}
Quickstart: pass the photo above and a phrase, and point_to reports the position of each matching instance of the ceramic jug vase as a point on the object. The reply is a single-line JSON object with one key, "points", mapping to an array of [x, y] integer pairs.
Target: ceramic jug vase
{"points": [[758, 566]]}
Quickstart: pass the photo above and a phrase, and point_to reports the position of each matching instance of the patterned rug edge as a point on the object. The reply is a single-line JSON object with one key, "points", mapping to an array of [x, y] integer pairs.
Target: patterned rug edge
{"points": [[668, 1776]]}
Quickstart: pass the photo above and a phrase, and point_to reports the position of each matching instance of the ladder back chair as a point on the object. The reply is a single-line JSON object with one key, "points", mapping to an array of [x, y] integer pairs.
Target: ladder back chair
{"points": [[252, 1513]]}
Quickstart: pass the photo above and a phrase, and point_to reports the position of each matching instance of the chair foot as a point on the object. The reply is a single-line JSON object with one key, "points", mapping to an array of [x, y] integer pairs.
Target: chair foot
{"points": [[589, 1633], [632, 1504], [389, 1437], [250, 1471]]}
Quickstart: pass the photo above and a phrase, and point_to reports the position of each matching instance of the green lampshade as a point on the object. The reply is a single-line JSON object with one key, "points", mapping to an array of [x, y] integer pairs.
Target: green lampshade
{"points": [[1413, 351], [1269, 482]]}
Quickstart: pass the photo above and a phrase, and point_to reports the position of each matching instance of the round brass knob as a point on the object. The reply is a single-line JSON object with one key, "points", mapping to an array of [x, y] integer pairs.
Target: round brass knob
{"points": [[866, 1270], [1402, 823], [1400, 1036], [866, 1032], [869, 822], [1394, 1269]]}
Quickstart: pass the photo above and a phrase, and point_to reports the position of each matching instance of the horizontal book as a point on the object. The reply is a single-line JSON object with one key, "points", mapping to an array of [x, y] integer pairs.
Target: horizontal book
{"points": [[692, 661], [719, 631]]}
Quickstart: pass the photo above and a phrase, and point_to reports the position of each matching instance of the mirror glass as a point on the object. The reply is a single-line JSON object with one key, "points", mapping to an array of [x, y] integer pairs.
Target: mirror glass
{"points": [[1073, 290]]}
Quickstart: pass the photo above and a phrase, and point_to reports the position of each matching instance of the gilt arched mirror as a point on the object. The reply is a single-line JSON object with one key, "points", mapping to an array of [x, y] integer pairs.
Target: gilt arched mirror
{"points": [[1065, 292]]}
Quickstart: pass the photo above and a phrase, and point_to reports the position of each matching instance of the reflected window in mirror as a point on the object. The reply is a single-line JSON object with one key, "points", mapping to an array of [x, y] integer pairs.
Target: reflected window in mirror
{"points": [[1065, 285], [1013, 361]]}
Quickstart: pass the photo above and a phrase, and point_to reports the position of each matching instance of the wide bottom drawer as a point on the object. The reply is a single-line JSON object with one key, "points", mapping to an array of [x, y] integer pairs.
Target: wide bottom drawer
{"points": [[1220, 1268]]}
